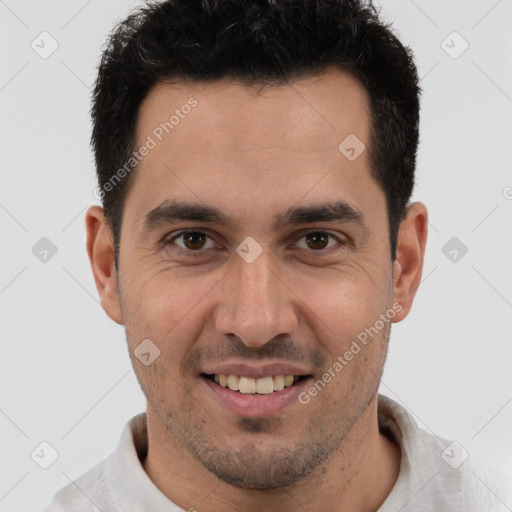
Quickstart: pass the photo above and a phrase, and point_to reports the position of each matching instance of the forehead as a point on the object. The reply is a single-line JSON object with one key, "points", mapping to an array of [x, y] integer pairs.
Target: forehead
{"points": [[310, 113], [229, 144]]}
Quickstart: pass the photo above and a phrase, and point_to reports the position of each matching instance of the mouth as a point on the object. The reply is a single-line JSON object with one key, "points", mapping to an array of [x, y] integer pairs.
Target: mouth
{"points": [[267, 385], [266, 390]]}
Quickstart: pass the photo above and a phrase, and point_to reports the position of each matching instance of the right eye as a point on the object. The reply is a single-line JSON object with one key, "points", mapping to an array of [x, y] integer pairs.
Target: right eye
{"points": [[191, 241]]}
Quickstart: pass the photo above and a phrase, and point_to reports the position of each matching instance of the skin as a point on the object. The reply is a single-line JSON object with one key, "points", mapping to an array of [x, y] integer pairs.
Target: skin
{"points": [[252, 153]]}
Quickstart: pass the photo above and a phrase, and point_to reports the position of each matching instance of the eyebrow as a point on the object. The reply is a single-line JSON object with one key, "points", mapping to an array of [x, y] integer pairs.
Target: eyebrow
{"points": [[171, 212]]}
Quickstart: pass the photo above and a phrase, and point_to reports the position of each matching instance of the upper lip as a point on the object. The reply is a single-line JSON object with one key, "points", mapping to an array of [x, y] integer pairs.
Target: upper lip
{"points": [[261, 370]]}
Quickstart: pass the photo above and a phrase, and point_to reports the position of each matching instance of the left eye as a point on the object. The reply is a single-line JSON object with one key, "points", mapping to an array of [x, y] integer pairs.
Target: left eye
{"points": [[317, 240]]}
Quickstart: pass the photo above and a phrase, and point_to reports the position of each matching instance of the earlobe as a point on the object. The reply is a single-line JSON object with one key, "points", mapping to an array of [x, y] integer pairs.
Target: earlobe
{"points": [[100, 248], [408, 265]]}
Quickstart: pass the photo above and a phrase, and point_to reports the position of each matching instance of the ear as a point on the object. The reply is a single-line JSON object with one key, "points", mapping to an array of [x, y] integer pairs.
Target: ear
{"points": [[408, 265], [100, 248]]}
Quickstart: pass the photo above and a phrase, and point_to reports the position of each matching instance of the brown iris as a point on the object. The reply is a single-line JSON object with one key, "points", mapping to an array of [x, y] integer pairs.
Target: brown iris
{"points": [[317, 240], [194, 240]]}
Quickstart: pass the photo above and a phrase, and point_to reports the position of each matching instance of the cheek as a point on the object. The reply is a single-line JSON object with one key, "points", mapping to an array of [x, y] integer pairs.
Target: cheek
{"points": [[342, 303], [166, 309]]}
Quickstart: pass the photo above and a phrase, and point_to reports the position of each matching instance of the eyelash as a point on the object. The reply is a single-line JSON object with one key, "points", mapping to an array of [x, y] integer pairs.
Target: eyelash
{"points": [[200, 252]]}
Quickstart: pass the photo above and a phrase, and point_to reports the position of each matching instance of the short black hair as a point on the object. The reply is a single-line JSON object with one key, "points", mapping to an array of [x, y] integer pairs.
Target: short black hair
{"points": [[256, 42]]}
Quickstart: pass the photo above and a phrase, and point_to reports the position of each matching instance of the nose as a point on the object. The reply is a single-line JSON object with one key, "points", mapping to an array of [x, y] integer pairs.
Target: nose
{"points": [[255, 303]]}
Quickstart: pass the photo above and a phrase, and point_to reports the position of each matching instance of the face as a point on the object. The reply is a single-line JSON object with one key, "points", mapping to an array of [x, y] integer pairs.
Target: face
{"points": [[252, 246]]}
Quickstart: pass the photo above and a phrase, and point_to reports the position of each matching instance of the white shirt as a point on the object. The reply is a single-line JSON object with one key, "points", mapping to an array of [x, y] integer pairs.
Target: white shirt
{"points": [[427, 482]]}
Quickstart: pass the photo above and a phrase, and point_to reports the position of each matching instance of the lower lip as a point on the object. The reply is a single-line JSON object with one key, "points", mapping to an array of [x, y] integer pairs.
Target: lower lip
{"points": [[257, 406]]}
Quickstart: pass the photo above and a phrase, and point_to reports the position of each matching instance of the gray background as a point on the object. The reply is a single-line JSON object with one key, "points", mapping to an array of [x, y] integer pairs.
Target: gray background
{"points": [[65, 372]]}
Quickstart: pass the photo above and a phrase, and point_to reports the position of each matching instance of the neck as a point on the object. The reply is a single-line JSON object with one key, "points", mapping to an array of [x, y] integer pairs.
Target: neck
{"points": [[357, 477]]}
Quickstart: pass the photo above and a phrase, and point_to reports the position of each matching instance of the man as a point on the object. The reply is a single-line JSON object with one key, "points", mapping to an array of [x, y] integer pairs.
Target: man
{"points": [[255, 161]]}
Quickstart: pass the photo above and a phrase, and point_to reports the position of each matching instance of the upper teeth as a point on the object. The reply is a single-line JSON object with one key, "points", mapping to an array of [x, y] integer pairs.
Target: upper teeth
{"points": [[249, 385]]}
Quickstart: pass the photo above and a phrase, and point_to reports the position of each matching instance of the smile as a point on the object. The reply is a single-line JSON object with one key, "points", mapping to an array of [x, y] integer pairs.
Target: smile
{"points": [[252, 386]]}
